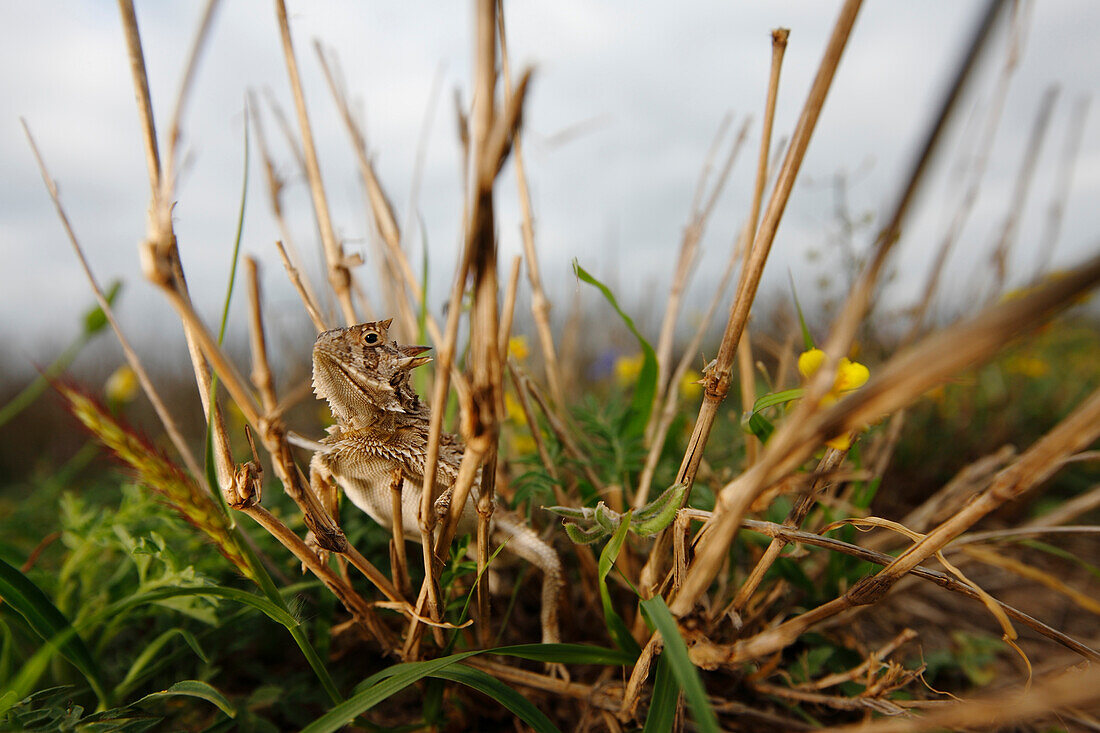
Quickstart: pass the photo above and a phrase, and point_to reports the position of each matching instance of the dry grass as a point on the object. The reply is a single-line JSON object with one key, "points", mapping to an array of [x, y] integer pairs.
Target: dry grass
{"points": [[737, 616]]}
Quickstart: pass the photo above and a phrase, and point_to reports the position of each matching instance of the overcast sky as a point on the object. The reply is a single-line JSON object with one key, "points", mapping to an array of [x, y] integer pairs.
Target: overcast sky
{"points": [[640, 88]]}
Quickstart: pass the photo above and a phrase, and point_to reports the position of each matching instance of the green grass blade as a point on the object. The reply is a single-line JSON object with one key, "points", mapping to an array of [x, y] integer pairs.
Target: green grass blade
{"points": [[150, 653], [237, 239], [566, 654], [94, 322], [641, 404], [516, 703], [777, 398], [615, 625], [392, 680], [807, 339], [378, 688], [685, 672], [194, 688], [51, 625], [662, 706]]}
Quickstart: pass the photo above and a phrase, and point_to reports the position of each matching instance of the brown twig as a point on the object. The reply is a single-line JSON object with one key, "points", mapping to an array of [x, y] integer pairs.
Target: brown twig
{"points": [[540, 304], [718, 377], [338, 273], [730, 509], [747, 377]]}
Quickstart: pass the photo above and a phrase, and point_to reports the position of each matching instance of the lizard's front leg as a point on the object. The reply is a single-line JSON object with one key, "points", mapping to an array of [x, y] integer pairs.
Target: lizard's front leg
{"points": [[399, 563], [324, 487]]}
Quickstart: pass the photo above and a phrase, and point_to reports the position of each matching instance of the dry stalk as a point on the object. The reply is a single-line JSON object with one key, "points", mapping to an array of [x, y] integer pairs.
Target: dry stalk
{"points": [[540, 304], [508, 309], [829, 462], [718, 377], [981, 159], [745, 373], [1060, 194], [1001, 252], [709, 558], [1065, 690], [273, 434], [987, 556], [385, 221], [904, 378], [132, 359], [708, 655], [1070, 510], [1036, 465], [562, 433], [308, 301], [869, 666], [275, 186], [685, 263], [338, 273]]}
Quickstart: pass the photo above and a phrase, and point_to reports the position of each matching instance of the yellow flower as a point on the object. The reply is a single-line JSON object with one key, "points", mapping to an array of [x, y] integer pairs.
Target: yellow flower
{"points": [[850, 375], [514, 409], [1028, 366], [517, 348], [122, 385], [627, 369], [690, 388]]}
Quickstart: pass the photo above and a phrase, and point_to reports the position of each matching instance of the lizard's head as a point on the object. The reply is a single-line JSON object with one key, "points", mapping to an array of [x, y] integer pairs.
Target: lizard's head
{"points": [[359, 371]]}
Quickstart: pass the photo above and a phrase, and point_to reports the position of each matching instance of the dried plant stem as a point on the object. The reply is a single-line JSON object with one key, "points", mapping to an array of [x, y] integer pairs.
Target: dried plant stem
{"points": [[275, 197], [295, 278], [1056, 209], [901, 380], [718, 377], [715, 654], [562, 434], [828, 463], [711, 553], [1080, 428], [746, 374], [1070, 510], [540, 304], [508, 309], [385, 221], [132, 359], [685, 265], [976, 174], [342, 590], [338, 272], [1065, 690], [1001, 252]]}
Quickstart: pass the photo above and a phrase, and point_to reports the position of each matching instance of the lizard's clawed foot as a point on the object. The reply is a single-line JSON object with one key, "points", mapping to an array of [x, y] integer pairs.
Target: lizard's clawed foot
{"points": [[313, 544], [558, 671]]}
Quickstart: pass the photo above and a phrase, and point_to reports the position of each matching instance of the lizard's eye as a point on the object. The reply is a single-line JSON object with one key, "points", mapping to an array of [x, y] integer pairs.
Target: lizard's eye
{"points": [[371, 337]]}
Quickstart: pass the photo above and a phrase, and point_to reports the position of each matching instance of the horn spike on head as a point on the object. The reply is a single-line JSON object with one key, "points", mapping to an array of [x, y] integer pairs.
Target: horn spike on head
{"points": [[411, 362]]}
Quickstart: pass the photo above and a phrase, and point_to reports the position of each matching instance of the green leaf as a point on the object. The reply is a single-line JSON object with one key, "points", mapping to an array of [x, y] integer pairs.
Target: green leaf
{"points": [[641, 404], [662, 706], [194, 688], [516, 703], [566, 654], [50, 624], [151, 652], [379, 687], [615, 625], [686, 673], [807, 339], [759, 426], [95, 320], [777, 398]]}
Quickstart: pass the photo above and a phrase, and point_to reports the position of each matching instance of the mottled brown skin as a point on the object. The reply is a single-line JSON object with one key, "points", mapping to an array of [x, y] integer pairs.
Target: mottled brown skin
{"points": [[381, 431]]}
